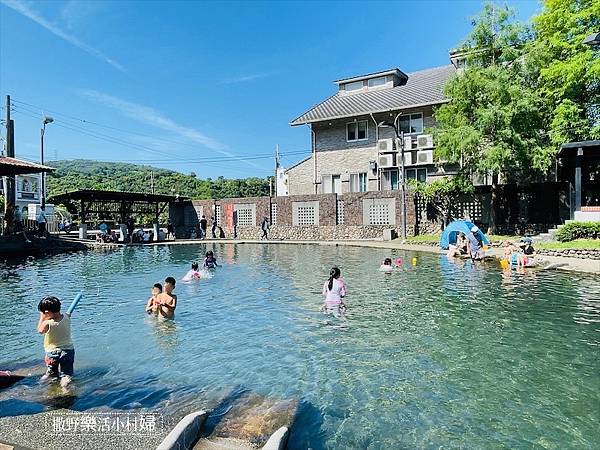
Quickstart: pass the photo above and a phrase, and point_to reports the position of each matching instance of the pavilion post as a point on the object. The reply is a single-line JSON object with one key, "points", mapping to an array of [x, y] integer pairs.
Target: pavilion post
{"points": [[578, 160]]}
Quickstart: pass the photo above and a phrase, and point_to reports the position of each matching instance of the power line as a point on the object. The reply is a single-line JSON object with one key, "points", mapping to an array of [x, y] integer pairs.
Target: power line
{"points": [[113, 140]]}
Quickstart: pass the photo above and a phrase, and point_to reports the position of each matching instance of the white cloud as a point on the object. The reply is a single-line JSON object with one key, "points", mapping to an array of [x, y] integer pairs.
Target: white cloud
{"points": [[243, 78], [150, 116], [28, 11], [76, 13]]}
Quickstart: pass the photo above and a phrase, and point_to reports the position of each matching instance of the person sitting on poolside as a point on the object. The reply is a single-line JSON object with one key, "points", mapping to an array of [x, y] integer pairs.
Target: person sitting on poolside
{"points": [[511, 253], [386, 266], [528, 253], [459, 247]]}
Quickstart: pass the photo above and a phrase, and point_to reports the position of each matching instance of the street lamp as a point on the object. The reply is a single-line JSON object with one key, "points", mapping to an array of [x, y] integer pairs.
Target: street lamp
{"points": [[45, 120], [399, 145]]}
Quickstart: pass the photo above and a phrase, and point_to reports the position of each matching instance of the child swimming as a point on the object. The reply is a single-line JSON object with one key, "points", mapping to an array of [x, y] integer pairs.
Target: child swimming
{"points": [[192, 274], [210, 262], [386, 266], [152, 304], [58, 345], [334, 290]]}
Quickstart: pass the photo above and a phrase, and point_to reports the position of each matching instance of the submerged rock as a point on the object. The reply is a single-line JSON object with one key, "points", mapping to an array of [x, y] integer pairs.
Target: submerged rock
{"points": [[251, 419]]}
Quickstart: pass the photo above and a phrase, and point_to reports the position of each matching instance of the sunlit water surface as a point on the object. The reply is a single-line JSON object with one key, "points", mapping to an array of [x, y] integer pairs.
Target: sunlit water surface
{"points": [[438, 355]]}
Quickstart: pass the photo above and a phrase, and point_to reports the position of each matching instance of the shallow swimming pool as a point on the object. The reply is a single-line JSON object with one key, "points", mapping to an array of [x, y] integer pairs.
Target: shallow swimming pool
{"points": [[441, 354]]}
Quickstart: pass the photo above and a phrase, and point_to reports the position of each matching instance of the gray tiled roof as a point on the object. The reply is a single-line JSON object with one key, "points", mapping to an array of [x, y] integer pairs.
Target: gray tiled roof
{"points": [[422, 88]]}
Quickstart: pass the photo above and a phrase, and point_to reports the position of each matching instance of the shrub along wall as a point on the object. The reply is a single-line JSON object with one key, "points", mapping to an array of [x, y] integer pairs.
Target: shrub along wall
{"points": [[578, 230]]}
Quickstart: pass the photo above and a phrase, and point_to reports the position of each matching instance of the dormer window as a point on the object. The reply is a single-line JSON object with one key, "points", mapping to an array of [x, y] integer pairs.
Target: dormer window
{"points": [[379, 81], [354, 86]]}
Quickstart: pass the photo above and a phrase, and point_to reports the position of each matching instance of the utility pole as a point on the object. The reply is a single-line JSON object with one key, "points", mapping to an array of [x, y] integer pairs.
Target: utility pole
{"points": [[276, 167], [9, 185], [152, 181]]}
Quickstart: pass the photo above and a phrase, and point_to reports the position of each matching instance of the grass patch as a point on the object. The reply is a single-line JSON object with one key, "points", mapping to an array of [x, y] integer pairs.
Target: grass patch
{"points": [[429, 238], [423, 238], [577, 244]]}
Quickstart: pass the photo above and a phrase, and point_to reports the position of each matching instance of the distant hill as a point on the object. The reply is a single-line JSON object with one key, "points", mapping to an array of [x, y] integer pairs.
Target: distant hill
{"points": [[88, 174]]}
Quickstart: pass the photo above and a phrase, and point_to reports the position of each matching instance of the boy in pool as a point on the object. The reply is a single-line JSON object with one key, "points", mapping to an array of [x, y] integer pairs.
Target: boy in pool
{"points": [[210, 262], [152, 305], [58, 346], [167, 301], [192, 274]]}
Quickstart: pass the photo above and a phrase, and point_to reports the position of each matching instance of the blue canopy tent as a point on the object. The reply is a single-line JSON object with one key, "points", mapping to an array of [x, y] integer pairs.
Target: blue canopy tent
{"points": [[459, 226]]}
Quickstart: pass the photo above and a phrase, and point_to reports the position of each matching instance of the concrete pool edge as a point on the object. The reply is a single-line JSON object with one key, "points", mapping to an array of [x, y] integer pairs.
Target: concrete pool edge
{"points": [[560, 262]]}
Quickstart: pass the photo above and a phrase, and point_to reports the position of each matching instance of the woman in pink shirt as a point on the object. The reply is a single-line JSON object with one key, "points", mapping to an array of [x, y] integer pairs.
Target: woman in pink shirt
{"points": [[334, 290]]}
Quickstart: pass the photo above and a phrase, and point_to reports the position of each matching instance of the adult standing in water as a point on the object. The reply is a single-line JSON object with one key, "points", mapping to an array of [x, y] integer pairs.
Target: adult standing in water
{"points": [[265, 228], [475, 245]]}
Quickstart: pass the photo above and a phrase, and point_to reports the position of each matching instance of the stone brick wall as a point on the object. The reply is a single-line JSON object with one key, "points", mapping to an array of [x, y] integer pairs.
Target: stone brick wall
{"points": [[583, 254]]}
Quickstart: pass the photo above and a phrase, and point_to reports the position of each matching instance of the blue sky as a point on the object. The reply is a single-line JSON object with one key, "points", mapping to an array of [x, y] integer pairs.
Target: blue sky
{"points": [[203, 86]]}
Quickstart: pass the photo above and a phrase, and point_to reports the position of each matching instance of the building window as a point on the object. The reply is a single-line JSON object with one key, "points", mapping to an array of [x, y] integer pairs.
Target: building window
{"points": [[339, 213], [331, 184], [379, 214], [306, 215], [379, 81], [357, 131], [245, 217], [218, 214], [417, 174], [358, 182], [412, 123], [353, 86], [273, 213], [391, 180]]}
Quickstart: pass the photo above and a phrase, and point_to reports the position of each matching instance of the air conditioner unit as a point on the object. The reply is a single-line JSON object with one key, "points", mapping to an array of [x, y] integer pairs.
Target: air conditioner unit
{"points": [[425, 141], [386, 161], [425, 157], [408, 159], [385, 145], [407, 143]]}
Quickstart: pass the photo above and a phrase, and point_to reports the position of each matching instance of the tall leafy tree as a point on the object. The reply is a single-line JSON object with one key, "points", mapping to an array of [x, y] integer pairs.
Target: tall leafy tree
{"points": [[567, 72], [494, 123]]}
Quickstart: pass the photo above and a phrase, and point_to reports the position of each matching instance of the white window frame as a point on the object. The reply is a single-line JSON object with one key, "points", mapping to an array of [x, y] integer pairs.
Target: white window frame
{"points": [[356, 122], [410, 119], [355, 182]]}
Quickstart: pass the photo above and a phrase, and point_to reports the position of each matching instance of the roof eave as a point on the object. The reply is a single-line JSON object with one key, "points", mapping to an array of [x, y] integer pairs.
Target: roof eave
{"points": [[294, 123]]}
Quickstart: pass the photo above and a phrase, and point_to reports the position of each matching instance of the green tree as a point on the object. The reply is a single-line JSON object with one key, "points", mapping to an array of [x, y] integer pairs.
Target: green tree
{"points": [[567, 72], [494, 123], [441, 194]]}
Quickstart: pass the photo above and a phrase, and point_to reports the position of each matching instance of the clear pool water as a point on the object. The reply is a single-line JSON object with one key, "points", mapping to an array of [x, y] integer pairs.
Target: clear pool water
{"points": [[440, 355]]}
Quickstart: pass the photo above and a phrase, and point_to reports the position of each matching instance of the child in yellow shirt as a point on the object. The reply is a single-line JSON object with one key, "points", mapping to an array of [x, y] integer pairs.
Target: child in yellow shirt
{"points": [[58, 346]]}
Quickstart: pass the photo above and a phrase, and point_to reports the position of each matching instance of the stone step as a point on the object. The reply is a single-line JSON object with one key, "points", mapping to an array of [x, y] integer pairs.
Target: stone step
{"points": [[220, 443]]}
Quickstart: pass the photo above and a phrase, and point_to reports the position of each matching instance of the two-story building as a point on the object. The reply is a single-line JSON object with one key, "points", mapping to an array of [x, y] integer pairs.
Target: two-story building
{"points": [[351, 153]]}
